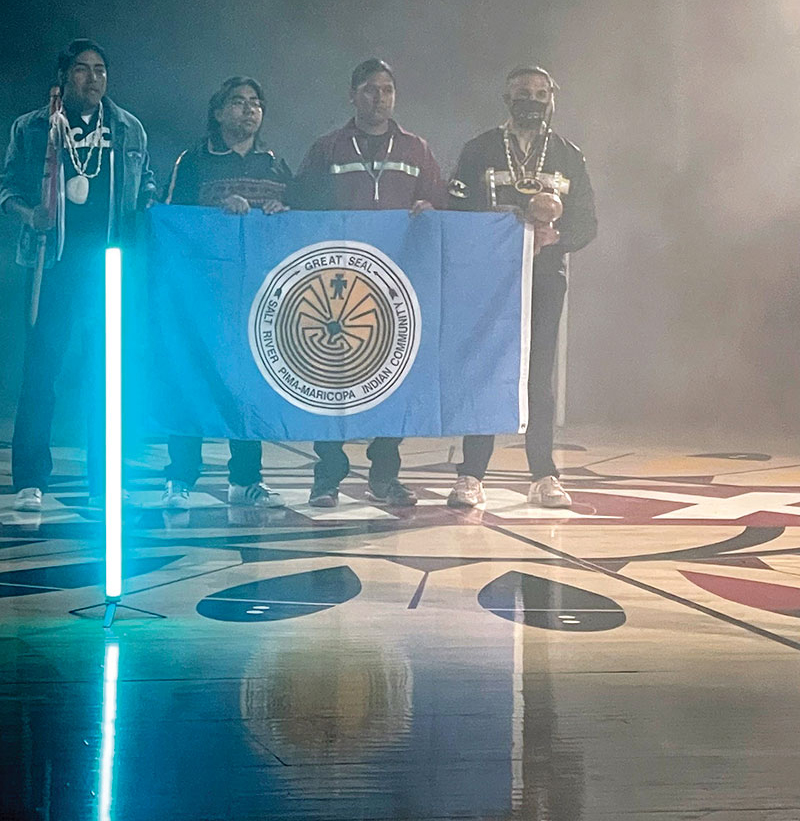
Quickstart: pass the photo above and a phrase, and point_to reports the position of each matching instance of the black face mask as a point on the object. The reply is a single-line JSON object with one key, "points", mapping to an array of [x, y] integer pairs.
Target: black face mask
{"points": [[528, 113]]}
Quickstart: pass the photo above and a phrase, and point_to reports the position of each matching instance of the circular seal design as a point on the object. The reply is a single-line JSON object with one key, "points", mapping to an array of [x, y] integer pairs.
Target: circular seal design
{"points": [[335, 328]]}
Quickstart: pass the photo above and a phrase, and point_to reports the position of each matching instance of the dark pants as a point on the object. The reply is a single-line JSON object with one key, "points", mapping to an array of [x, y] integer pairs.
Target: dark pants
{"points": [[333, 464], [71, 300], [548, 302], [186, 459]]}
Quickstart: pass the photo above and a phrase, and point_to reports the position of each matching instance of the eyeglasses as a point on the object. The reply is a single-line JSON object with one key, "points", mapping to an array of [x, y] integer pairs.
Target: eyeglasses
{"points": [[245, 102]]}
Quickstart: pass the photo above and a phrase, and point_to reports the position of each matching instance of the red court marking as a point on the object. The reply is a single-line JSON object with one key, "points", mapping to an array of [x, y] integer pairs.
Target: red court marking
{"points": [[775, 598]]}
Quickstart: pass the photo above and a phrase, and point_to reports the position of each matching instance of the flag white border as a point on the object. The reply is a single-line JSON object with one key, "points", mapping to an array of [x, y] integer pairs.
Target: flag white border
{"points": [[525, 311]]}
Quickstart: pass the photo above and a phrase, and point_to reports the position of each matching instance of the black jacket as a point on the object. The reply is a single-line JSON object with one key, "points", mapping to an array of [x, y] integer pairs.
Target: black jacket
{"points": [[469, 190]]}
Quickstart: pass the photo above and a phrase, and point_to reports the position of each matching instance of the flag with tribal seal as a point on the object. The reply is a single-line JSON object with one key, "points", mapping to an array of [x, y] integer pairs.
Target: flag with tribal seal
{"points": [[335, 327]]}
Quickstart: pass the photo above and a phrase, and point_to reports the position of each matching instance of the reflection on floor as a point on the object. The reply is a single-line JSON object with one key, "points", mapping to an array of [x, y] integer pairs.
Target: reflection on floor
{"points": [[635, 657]]}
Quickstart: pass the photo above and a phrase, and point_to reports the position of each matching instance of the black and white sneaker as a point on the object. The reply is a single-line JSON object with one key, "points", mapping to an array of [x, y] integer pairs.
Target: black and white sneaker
{"points": [[255, 495]]}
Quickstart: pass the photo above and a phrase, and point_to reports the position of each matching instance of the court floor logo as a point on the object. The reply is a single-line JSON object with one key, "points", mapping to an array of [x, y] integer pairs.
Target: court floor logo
{"points": [[335, 328]]}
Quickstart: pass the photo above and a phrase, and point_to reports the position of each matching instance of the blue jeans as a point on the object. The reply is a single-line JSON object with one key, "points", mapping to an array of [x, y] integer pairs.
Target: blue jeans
{"points": [[71, 300]]}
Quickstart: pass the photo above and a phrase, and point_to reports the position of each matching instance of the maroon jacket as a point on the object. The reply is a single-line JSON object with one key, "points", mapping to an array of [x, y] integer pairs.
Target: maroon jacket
{"points": [[333, 176]]}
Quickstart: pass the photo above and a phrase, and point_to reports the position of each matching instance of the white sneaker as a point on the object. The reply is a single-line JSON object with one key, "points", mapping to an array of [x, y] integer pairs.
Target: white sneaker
{"points": [[548, 492], [29, 499], [175, 495], [255, 495], [467, 492]]}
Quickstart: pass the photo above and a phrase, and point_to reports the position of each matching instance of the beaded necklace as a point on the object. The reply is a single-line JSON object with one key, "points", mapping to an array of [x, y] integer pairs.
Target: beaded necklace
{"points": [[78, 186]]}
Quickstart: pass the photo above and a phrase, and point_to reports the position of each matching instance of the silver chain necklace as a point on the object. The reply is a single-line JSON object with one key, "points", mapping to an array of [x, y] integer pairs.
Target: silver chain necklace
{"points": [[523, 182]]}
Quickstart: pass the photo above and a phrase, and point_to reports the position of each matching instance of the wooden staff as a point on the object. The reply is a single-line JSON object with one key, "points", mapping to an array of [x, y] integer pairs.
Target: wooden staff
{"points": [[49, 199]]}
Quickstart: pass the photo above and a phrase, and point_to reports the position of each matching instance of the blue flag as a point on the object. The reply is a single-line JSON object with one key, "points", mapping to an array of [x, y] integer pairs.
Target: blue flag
{"points": [[337, 325]]}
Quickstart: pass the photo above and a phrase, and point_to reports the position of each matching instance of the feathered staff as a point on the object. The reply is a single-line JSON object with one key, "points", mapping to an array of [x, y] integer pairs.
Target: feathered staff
{"points": [[49, 200]]}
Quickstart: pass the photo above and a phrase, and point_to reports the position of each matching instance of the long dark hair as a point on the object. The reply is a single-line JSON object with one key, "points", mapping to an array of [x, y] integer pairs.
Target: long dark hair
{"points": [[220, 97]]}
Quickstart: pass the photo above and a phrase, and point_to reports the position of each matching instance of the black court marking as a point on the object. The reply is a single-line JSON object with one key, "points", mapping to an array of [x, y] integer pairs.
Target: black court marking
{"points": [[283, 597], [72, 576], [235, 541], [551, 605], [10, 591], [78, 548], [5, 543], [84, 530], [312, 457], [430, 564], [292, 449], [735, 456], [255, 555], [413, 604], [756, 470], [749, 537], [183, 579], [556, 446], [708, 611], [607, 459]]}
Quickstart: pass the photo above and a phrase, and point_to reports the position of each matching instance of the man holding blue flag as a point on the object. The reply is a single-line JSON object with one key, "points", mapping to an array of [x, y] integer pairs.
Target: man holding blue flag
{"points": [[525, 166], [231, 170], [372, 163]]}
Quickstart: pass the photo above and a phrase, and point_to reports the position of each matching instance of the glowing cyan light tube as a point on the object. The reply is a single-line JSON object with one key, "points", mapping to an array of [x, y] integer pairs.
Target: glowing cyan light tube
{"points": [[113, 424], [105, 791]]}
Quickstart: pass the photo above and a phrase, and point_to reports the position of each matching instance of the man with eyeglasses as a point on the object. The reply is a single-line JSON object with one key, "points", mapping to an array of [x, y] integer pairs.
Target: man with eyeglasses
{"points": [[371, 163], [229, 169], [102, 176]]}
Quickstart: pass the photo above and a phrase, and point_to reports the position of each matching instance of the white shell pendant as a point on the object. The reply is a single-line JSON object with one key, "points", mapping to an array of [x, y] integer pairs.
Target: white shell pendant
{"points": [[78, 189]]}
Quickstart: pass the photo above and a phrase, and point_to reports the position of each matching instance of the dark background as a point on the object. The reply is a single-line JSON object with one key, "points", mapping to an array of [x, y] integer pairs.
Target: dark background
{"points": [[684, 312]]}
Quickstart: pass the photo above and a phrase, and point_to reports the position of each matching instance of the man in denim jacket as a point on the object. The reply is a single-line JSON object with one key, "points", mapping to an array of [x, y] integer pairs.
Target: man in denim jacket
{"points": [[103, 178]]}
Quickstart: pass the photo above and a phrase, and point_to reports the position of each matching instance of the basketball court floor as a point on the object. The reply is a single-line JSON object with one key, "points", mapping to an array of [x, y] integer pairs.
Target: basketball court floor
{"points": [[635, 657]]}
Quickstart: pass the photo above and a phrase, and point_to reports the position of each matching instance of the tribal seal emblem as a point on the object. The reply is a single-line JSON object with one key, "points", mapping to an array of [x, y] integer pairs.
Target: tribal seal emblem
{"points": [[335, 328]]}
